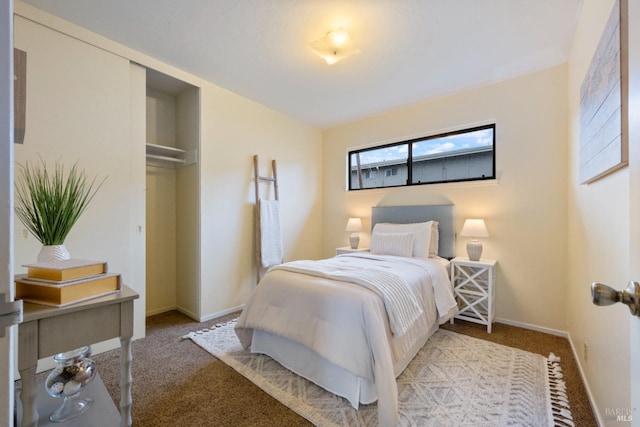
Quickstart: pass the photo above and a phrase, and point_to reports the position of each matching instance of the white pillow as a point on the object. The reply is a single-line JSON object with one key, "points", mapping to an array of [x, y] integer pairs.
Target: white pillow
{"points": [[397, 244], [421, 235], [435, 239]]}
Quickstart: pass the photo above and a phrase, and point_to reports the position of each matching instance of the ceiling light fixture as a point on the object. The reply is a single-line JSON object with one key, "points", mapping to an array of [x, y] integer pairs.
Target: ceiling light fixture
{"points": [[334, 46]]}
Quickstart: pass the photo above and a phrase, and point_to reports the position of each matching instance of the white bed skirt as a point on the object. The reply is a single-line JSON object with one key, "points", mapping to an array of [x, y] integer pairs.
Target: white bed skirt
{"points": [[308, 364]]}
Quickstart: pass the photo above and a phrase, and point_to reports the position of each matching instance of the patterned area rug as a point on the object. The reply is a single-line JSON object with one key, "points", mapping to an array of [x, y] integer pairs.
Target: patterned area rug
{"points": [[453, 380]]}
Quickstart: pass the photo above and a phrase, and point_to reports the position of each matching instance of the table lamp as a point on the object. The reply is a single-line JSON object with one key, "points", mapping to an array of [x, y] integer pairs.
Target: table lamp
{"points": [[474, 228], [355, 226]]}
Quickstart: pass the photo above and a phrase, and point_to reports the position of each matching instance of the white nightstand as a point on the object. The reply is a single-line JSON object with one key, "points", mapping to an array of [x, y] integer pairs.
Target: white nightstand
{"points": [[348, 250], [474, 288]]}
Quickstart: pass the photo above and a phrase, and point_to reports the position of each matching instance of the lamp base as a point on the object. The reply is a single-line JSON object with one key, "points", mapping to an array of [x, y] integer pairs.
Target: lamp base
{"points": [[354, 240], [474, 250]]}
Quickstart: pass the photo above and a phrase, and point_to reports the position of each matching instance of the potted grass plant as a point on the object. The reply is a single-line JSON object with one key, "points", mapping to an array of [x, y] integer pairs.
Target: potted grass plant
{"points": [[49, 203]]}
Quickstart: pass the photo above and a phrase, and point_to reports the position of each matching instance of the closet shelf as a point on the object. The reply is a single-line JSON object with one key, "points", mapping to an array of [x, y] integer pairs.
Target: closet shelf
{"points": [[163, 150], [164, 156]]}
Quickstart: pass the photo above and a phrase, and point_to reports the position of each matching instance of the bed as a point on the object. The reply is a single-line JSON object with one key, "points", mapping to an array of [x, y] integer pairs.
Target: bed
{"points": [[352, 323]]}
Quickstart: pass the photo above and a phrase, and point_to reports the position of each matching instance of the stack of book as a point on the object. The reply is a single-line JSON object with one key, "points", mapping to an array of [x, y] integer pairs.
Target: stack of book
{"points": [[60, 283]]}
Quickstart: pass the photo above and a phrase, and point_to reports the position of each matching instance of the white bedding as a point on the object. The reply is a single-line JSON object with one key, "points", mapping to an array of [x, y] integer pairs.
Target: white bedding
{"points": [[400, 303], [346, 324]]}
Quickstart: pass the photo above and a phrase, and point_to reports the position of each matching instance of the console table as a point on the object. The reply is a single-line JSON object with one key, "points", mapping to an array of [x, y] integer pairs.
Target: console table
{"points": [[46, 331]]}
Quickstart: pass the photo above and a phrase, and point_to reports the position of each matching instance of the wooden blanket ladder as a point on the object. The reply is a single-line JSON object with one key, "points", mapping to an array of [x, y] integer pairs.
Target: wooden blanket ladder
{"points": [[257, 180]]}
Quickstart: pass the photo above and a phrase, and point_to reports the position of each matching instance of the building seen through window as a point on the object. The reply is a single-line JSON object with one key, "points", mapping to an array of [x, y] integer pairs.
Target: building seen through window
{"points": [[464, 155]]}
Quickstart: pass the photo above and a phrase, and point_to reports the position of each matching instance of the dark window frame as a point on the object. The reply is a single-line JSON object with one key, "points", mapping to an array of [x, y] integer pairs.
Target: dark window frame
{"points": [[409, 143]]}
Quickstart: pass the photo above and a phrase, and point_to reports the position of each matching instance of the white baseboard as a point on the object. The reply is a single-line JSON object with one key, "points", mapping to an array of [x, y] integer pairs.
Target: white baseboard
{"points": [[533, 327], [159, 310], [573, 350], [585, 383], [192, 315], [221, 313], [188, 313]]}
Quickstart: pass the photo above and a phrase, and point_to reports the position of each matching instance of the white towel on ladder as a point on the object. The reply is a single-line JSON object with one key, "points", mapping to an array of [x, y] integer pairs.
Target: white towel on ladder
{"points": [[270, 236]]}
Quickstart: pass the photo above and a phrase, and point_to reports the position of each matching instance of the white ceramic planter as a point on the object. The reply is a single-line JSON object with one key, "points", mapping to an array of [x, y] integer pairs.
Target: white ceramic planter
{"points": [[53, 253]]}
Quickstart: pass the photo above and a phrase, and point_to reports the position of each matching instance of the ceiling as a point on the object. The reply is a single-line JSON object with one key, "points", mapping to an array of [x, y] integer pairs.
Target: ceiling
{"points": [[411, 50]]}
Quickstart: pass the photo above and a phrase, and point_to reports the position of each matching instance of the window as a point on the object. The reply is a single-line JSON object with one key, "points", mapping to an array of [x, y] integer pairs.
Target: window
{"points": [[464, 155], [369, 174]]}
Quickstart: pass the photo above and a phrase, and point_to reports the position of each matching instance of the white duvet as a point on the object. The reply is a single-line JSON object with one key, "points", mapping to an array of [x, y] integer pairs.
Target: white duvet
{"points": [[343, 322]]}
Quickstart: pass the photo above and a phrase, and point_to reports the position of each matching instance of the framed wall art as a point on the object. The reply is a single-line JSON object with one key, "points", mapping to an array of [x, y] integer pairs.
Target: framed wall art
{"points": [[604, 102]]}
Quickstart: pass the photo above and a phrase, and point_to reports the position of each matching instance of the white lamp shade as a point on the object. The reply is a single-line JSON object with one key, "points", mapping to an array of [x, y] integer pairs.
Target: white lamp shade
{"points": [[354, 225], [474, 228]]}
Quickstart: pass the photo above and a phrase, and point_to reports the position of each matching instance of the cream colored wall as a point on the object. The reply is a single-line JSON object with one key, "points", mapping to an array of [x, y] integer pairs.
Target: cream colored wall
{"points": [[187, 261], [598, 244], [188, 206], [233, 130], [161, 118], [524, 209], [160, 207], [160, 257]]}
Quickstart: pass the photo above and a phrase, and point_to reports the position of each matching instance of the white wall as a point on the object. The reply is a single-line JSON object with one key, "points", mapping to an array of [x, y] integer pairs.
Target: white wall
{"points": [[524, 209], [233, 130], [598, 244]]}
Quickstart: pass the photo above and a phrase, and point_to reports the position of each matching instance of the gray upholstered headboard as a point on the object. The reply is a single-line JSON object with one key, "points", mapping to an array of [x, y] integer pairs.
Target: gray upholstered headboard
{"points": [[409, 214]]}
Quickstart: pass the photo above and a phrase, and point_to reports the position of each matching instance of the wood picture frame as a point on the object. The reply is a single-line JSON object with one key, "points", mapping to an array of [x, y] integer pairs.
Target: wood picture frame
{"points": [[604, 140], [19, 95]]}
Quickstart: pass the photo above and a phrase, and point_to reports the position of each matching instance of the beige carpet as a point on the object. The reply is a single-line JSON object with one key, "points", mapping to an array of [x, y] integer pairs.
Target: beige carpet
{"points": [[177, 383], [454, 377]]}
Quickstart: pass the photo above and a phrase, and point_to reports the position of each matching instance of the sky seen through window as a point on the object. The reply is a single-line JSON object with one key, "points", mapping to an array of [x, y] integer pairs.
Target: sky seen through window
{"points": [[450, 143]]}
